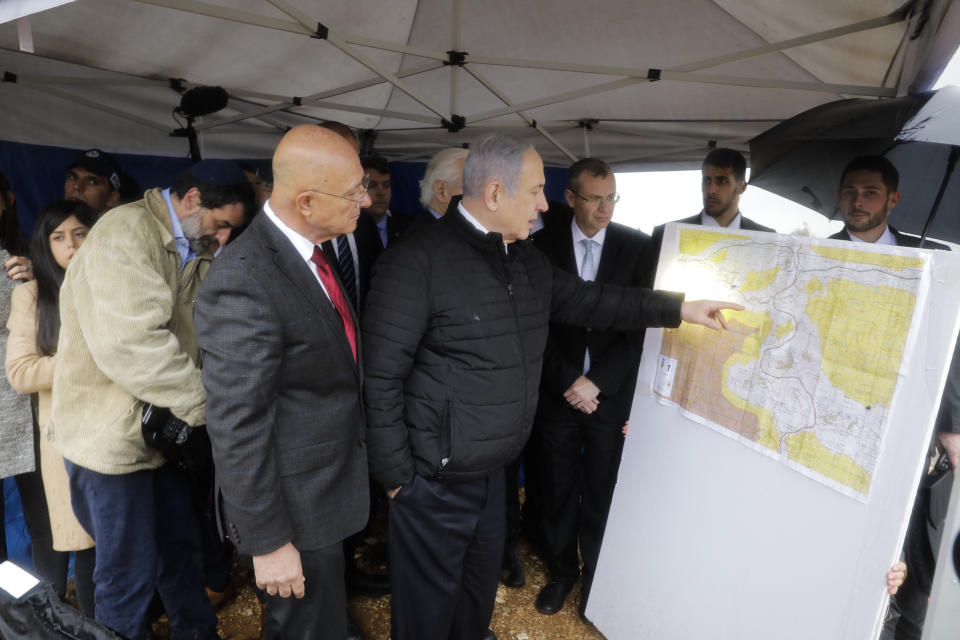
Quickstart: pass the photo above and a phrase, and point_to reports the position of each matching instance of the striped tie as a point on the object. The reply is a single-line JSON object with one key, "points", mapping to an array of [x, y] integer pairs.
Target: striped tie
{"points": [[347, 273]]}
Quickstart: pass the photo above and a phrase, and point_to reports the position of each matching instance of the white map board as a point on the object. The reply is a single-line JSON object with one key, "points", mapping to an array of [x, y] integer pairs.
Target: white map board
{"points": [[708, 538]]}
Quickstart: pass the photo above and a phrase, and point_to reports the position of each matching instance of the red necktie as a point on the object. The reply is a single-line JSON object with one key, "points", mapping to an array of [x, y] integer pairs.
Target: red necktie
{"points": [[336, 297]]}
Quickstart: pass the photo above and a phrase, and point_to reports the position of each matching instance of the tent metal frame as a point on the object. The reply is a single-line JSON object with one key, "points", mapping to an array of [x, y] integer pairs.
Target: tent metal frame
{"points": [[297, 22]]}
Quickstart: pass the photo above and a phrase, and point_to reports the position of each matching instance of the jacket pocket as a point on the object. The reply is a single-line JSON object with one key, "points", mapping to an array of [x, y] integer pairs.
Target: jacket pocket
{"points": [[303, 459], [446, 435]]}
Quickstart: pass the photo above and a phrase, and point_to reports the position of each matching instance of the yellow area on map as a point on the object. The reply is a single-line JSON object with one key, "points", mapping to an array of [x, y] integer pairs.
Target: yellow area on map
{"points": [[814, 286], [862, 331], [806, 449], [785, 328], [867, 257], [749, 352], [720, 257], [759, 280], [694, 241]]}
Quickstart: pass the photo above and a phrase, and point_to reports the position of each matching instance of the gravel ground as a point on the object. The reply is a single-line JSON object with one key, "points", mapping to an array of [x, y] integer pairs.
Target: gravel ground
{"points": [[514, 617]]}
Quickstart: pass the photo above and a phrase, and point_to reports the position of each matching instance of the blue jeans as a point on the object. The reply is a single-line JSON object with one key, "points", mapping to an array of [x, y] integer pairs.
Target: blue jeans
{"points": [[147, 538]]}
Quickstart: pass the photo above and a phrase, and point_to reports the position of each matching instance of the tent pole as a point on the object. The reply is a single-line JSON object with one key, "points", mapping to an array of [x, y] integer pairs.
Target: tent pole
{"points": [[347, 88], [560, 97], [286, 104], [694, 138], [530, 121], [820, 87], [216, 11], [340, 43], [686, 77], [70, 97], [455, 25], [386, 75], [654, 154], [706, 63], [951, 164]]}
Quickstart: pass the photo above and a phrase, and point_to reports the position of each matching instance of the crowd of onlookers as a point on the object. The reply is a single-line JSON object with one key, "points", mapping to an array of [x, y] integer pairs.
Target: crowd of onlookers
{"points": [[322, 339]]}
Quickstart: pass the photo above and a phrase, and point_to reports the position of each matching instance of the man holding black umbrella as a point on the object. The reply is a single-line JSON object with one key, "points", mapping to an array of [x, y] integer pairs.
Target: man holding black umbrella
{"points": [[868, 192]]}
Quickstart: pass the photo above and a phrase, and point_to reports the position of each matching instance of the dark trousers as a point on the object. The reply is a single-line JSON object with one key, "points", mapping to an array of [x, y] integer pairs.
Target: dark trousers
{"points": [[322, 612], [908, 608], [445, 542], [147, 538], [576, 487], [49, 565]]}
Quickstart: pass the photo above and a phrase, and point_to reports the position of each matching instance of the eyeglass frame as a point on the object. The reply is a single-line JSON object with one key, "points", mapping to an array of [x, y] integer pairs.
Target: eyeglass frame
{"points": [[614, 199], [365, 183]]}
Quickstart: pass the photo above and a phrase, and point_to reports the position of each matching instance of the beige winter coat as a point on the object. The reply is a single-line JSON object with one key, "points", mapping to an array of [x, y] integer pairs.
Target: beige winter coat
{"points": [[126, 337], [31, 372]]}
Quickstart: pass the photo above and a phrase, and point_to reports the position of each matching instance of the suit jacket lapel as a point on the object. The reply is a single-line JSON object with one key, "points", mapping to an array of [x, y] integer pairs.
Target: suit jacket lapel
{"points": [[565, 255], [290, 263], [610, 256]]}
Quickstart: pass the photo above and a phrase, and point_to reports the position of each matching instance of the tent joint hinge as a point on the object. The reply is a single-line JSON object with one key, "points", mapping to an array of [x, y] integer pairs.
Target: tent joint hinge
{"points": [[454, 124], [322, 32], [588, 123], [9, 76], [653, 74], [458, 58]]}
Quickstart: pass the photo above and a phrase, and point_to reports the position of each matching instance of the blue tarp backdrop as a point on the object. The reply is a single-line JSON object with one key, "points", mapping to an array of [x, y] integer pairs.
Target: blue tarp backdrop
{"points": [[36, 173]]}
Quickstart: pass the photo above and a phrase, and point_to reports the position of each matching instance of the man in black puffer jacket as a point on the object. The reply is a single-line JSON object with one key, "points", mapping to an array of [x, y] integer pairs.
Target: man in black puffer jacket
{"points": [[454, 330]]}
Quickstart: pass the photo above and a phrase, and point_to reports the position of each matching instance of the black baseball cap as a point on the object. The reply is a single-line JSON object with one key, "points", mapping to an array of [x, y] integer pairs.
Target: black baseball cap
{"points": [[99, 163]]}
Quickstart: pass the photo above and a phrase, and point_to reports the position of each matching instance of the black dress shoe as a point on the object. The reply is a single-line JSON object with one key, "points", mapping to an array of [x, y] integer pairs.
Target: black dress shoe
{"points": [[512, 572], [353, 629], [551, 597], [372, 585]]}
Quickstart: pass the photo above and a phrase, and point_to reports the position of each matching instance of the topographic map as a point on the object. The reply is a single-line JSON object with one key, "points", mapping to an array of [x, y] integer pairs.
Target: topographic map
{"points": [[808, 372]]}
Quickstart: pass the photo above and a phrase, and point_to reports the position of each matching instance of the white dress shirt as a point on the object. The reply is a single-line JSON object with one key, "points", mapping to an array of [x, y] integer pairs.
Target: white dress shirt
{"points": [[303, 246], [710, 221], [886, 238], [578, 250]]}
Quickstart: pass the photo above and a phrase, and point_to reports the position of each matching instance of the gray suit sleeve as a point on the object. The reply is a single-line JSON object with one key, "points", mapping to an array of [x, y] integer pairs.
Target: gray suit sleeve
{"points": [[240, 337]]}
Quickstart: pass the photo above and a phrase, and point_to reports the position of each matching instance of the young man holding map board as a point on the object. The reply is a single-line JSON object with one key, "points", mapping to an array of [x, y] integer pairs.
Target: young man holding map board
{"points": [[868, 192]]}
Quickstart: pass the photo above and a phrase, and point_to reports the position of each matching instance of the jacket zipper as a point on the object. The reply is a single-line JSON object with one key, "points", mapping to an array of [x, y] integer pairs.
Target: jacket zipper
{"points": [[516, 321]]}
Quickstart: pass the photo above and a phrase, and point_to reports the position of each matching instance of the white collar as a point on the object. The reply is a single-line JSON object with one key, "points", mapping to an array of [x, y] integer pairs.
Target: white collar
{"points": [[471, 219], [579, 235], [710, 221], [887, 238], [303, 246]]}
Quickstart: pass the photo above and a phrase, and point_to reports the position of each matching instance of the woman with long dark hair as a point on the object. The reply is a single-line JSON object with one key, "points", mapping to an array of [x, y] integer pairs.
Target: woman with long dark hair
{"points": [[34, 326]]}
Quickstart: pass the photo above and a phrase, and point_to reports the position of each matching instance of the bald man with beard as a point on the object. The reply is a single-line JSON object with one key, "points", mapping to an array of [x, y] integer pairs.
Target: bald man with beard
{"points": [[280, 346]]}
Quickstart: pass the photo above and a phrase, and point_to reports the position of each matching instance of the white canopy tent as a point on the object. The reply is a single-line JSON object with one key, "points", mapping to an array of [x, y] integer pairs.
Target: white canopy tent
{"points": [[643, 84]]}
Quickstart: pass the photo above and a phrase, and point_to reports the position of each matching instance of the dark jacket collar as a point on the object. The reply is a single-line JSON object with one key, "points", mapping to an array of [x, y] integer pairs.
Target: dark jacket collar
{"points": [[463, 227]]}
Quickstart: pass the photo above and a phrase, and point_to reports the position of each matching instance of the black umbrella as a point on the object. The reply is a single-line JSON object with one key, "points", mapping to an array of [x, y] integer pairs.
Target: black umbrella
{"points": [[802, 158]]}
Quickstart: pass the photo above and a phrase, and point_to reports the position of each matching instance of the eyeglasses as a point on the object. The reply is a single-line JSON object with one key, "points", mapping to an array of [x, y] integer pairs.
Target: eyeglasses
{"points": [[364, 184], [598, 200]]}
